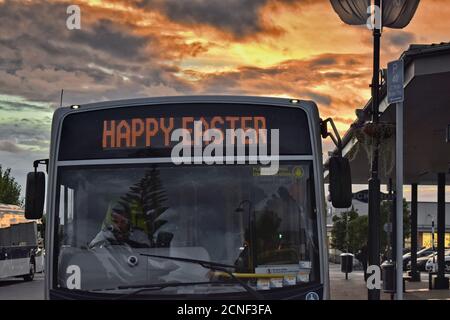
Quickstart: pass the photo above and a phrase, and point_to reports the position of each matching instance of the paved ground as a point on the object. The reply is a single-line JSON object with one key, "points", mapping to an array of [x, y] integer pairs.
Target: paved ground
{"points": [[17, 289], [352, 289], [355, 288]]}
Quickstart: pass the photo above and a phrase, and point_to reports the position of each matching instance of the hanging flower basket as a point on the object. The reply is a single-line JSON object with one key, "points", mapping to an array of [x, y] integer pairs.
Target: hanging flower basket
{"points": [[368, 134], [381, 131]]}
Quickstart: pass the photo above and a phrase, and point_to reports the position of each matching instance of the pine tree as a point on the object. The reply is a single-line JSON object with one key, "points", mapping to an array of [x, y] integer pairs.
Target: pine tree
{"points": [[144, 203]]}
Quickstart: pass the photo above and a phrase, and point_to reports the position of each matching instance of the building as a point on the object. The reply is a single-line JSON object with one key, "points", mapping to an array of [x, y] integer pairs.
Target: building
{"points": [[426, 144], [11, 214]]}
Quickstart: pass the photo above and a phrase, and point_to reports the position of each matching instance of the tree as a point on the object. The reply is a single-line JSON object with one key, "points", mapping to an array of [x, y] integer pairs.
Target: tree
{"points": [[340, 238], [386, 216], [358, 228], [42, 228], [9, 188]]}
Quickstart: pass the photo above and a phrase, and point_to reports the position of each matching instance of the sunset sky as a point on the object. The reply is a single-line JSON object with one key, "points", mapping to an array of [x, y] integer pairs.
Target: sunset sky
{"points": [[141, 48]]}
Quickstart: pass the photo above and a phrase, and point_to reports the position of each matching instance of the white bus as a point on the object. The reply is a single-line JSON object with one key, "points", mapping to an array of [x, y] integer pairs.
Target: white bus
{"points": [[19, 252], [126, 220]]}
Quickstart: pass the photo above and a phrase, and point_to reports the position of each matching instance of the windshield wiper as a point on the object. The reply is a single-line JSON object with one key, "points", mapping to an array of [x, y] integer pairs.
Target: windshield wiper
{"points": [[214, 266], [153, 287]]}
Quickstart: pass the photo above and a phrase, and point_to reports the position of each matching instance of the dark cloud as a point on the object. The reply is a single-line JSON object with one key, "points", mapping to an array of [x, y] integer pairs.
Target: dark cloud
{"points": [[334, 75], [6, 105], [400, 38], [25, 132], [231, 16], [24, 125], [323, 61], [352, 62], [105, 36], [239, 18], [10, 146], [105, 59], [321, 99]]}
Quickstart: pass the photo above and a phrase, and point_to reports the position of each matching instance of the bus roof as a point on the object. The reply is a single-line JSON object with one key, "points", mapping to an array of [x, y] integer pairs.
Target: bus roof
{"points": [[90, 116], [287, 102]]}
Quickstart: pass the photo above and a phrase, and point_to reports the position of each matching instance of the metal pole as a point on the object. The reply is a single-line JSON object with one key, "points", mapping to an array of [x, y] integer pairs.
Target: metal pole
{"points": [[391, 223], [374, 181], [347, 240], [61, 98], [250, 231], [432, 246], [441, 282], [252, 235], [415, 276], [394, 229], [399, 199]]}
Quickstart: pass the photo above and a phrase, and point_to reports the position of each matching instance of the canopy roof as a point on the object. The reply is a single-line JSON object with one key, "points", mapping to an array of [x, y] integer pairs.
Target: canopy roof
{"points": [[426, 119]]}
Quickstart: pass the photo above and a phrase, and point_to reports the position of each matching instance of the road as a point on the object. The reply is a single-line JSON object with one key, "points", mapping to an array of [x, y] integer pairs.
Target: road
{"points": [[355, 288], [17, 289], [352, 289]]}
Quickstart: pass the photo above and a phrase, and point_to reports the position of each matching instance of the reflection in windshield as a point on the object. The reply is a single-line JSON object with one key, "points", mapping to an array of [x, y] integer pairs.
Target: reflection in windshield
{"points": [[133, 218], [109, 216]]}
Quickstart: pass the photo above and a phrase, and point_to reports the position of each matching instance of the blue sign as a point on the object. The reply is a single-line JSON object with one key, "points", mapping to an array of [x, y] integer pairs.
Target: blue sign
{"points": [[395, 80]]}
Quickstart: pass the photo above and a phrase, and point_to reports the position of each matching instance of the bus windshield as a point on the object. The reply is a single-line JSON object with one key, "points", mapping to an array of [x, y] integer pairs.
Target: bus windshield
{"points": [[110, 215]]}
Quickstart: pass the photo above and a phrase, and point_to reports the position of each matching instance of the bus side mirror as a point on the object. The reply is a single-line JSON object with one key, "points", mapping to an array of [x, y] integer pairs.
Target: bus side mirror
{"points": [[340, 182], [35, 195]]}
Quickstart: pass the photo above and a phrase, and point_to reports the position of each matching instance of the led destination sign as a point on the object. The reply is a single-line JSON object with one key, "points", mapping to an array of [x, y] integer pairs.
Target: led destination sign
{"points": [[147, 131], [156, 132]]}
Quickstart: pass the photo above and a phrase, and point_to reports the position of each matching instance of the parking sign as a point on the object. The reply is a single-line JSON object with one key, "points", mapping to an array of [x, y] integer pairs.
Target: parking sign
{"points": [[395, 82]]}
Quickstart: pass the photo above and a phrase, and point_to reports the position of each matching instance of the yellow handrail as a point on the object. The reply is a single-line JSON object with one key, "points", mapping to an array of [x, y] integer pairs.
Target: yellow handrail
{"points": [[254, 275]]}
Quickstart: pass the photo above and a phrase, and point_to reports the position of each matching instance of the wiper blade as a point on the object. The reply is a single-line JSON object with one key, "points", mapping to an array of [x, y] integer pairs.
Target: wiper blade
{"points": [[162, 285], [155, 287], [203, 263], [212, 266]]}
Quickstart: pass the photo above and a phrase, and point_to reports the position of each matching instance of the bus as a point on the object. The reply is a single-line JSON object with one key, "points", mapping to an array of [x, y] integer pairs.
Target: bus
{"points": [[20, 255], [188, 197]]}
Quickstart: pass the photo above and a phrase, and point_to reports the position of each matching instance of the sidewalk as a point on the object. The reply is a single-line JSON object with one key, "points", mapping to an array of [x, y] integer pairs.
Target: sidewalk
{"points": [[355, 288]]}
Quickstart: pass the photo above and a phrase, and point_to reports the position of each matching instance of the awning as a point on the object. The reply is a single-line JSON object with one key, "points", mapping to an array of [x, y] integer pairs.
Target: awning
{"points": [[426, 119]]}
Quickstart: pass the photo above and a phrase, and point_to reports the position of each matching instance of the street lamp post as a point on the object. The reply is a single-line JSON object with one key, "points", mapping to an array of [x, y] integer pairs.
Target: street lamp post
{"points": [[374, 181], [391, 14]]}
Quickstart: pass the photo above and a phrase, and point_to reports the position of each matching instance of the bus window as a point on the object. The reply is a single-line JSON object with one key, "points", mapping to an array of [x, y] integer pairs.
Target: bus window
{"points": [[200, 212], [66, 208]]}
